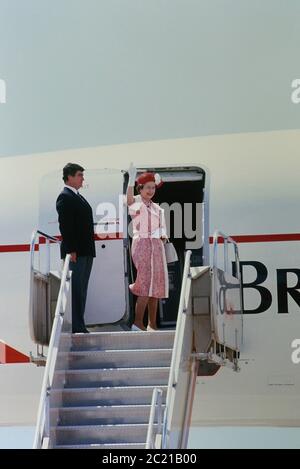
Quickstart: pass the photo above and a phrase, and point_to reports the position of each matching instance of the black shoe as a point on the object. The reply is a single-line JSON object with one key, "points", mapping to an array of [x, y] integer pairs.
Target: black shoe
{"points": [[81, 331]]}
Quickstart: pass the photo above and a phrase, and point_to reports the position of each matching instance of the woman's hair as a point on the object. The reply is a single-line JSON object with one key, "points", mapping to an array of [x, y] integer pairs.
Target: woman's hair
{"points": [[140, 187]]}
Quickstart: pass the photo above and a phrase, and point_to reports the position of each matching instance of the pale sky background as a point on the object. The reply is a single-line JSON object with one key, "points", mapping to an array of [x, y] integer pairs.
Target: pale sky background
{"points": [[83, 73]]}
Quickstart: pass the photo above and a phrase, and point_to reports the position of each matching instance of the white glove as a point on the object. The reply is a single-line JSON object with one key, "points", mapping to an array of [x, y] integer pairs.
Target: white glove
{"points": [[132, 174]]}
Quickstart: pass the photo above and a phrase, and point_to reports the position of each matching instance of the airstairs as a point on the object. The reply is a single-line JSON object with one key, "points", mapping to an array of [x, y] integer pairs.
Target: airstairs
{"points": [[125, 389], [101, 397], [103, 386]]}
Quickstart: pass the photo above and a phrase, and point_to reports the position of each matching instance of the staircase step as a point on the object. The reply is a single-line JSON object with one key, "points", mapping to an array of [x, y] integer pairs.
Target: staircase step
{"points": [[105, 386], [104, 446], [121, 340], [108, 415], [117, 358], [114, 377], [100, 434], [131, 395]]}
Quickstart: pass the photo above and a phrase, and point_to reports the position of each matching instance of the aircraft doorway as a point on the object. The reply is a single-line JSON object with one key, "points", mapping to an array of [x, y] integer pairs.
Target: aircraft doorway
{"points": [[182, 197]]}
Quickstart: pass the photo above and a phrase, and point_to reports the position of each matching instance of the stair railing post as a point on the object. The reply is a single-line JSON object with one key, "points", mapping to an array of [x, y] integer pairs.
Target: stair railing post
{"points": [[47, 412], [156, 401], [159, 412], [43, 418]]}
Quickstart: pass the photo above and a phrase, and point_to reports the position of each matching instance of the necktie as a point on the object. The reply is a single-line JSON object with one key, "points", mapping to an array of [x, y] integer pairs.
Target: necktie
{"points": [[82, 198]]}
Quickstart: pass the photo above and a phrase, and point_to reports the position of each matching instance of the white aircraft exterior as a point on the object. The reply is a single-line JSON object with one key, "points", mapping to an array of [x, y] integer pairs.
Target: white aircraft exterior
{"points": [[253, 195]]}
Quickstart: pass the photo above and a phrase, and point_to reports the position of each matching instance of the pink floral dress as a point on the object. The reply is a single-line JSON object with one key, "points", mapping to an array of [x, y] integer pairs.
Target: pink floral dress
{"points": [[148, 253]]}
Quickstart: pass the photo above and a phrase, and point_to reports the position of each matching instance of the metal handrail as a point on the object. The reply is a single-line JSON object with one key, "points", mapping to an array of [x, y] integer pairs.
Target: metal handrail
{"points": [[43, 424], [32, 246], [181, 310], [49, 238], [52, 238], [227, 239], [156, 402]]}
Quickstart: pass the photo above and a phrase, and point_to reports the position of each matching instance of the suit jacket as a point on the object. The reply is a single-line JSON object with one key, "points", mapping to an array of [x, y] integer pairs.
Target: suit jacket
{"points": [[76, 224]]}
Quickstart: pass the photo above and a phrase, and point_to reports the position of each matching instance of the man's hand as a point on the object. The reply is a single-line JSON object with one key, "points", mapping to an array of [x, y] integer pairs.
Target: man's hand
{"points": [[73, 256]]}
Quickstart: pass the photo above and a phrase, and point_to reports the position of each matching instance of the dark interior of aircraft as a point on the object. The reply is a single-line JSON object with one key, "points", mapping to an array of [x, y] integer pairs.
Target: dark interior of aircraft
{"points": [[179, 193]]}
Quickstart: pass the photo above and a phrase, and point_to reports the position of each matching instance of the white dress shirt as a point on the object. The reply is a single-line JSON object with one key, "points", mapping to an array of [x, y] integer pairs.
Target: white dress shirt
{"points": [[71, 188]]}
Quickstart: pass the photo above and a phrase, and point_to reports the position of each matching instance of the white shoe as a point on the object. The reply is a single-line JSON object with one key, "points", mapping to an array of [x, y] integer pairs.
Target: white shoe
{"points": [[135, 328], [150, 329]]}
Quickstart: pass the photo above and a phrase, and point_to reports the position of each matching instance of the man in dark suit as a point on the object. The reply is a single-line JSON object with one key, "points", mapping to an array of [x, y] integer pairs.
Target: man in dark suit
{"points": [[76, 225]]}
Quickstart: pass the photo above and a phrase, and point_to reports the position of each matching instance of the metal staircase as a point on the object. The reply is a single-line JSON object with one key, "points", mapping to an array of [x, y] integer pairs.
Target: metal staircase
{"points": [[123, 389], [102, 388]]}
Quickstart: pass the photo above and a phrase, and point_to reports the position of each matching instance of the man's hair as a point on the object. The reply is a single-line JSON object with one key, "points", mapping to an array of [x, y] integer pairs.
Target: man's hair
{"points": [[70, 170]]}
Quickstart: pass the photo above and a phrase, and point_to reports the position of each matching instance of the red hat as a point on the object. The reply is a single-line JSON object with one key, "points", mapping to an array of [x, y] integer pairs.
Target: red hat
{"points": [[150, 177]]}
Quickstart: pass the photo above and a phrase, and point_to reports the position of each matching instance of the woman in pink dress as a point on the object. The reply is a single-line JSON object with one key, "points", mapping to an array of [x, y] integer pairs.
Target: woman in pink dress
{"points": [[148, 253]]}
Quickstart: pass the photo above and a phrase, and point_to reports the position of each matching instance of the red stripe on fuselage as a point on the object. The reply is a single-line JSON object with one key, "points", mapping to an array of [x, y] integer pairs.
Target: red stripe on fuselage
{"points": [[17, 248], [263, 238], [260, 238]]}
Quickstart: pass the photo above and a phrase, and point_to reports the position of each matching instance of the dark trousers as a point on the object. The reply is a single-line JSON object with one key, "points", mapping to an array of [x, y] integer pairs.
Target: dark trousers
{"points": [[81, 270]]}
